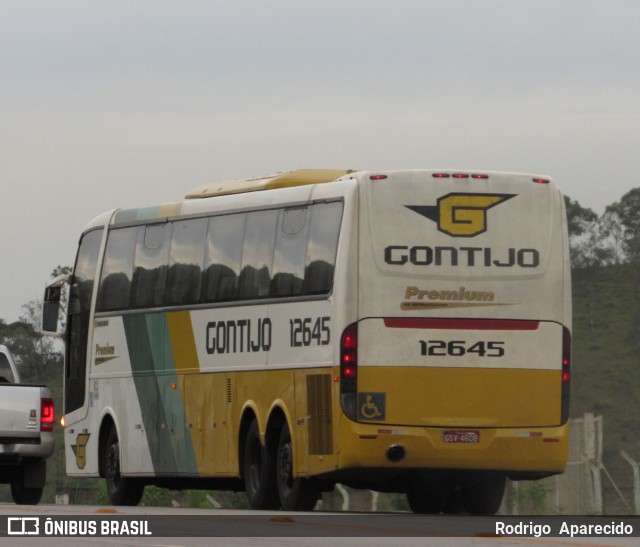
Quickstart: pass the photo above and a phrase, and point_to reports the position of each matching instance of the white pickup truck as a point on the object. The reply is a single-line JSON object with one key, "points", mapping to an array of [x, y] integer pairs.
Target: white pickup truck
{"points": [[26, 433]]}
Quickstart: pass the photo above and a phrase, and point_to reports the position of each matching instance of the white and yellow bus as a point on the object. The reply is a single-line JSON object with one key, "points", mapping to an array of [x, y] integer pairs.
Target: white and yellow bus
{"points": [[403, 331]]}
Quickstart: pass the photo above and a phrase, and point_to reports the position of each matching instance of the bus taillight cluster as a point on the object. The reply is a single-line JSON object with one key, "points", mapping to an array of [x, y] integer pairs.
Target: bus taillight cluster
{"points": [[349, 370]]}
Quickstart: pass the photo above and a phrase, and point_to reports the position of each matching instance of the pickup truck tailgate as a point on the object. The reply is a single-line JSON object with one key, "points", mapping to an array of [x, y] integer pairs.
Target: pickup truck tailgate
{"points": [[21, 407]]}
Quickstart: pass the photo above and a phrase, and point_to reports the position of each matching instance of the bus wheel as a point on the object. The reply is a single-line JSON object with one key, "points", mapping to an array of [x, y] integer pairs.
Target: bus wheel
{"points": [[259, 470], [482, 493], [121, 490], [428, 493], [295, 494]]}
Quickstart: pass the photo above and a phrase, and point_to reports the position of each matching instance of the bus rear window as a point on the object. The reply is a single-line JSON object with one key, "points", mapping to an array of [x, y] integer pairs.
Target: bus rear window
{"points": [[321, 249]]}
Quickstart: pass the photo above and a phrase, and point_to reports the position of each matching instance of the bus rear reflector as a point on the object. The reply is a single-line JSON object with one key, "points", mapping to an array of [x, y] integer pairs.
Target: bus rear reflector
{"points": [[459, 324], [47, 414], [566, 374], [349, 370]]}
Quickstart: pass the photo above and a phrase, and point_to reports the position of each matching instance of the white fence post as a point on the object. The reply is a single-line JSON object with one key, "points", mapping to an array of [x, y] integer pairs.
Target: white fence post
{"points": [[636, 481]]}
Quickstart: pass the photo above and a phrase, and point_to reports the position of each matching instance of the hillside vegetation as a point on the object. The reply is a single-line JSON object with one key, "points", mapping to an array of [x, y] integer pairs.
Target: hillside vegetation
{"points": [[606, 358]]}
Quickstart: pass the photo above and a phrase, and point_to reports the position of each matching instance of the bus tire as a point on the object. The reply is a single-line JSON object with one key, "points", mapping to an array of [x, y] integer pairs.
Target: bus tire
{"points": [[259, 471], [482, 493], [299, 494], [121, 490], [428, 493]]}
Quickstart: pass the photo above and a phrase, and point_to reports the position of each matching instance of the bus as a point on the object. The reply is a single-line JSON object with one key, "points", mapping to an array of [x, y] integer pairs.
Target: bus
{"points": [[402, 331]]}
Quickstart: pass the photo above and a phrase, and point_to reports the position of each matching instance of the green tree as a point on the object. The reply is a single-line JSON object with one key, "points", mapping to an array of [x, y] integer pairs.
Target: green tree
{"points": [[613, 232], [579, 219], [24, 342], [627, 212], [587, 242]]}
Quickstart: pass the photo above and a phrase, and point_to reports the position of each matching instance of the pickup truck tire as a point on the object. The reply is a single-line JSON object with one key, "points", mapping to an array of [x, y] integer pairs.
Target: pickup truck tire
{"points": [[24, 496], [23, 490], [121, 490]]}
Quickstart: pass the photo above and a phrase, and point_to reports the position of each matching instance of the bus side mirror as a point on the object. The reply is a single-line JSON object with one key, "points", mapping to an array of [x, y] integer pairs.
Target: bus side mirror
{"points": [[51, 306]]}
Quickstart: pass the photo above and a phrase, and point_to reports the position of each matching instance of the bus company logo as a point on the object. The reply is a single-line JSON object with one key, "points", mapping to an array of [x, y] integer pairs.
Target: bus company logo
{"points": [[461, 215], [105, 353], [80, 449]]}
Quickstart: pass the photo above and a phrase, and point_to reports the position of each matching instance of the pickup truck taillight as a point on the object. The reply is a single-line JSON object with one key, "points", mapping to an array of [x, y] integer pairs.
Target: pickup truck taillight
{"points": [[47, 414]]}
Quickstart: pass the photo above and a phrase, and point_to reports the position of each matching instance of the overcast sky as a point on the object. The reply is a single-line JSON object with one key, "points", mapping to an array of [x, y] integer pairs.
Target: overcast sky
{"points": [[123, 104]]}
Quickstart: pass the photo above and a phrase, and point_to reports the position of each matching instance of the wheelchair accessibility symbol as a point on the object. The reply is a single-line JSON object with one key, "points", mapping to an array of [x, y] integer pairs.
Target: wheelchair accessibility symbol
{"points": [[372, 406]]}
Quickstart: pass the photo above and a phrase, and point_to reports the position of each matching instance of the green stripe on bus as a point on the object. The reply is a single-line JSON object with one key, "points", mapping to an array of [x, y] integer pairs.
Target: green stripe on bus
{"points": [[174, 406], [157, 386]]}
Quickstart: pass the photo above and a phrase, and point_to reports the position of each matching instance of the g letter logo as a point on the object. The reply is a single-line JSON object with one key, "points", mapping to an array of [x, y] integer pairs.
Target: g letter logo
{"points": [[80, 449], [461, 215]]}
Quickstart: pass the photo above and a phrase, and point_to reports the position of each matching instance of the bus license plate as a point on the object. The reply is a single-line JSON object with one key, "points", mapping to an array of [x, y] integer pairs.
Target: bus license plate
{"points": [[461, 436]]}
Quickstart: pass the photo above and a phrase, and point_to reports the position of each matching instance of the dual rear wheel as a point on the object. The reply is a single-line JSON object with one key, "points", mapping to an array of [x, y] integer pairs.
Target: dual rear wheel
{"points": [[268, 474]]}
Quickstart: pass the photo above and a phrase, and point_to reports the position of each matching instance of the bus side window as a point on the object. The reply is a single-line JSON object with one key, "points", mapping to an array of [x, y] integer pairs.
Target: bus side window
{"points": [[150, 265], [186, 257], [290, 252], [322, 247], [257, 255], [223, 258], [117, 271]]}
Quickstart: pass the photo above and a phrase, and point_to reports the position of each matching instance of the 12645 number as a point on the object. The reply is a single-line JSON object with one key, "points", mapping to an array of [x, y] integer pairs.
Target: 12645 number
{"points": [[305, 331], [458, 348]]}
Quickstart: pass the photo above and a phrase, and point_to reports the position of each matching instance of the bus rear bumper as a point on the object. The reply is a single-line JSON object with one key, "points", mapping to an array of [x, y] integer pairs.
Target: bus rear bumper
{"points": [[519, 451]]}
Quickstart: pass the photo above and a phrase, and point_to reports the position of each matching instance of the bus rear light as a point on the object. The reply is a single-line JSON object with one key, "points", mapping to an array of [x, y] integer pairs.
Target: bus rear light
{"points": [[477, 176], [47, 414], [378, 177], [350, 339], [349, 370], [566, 374], [349, 353], [349, 373], [541, 181]]}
